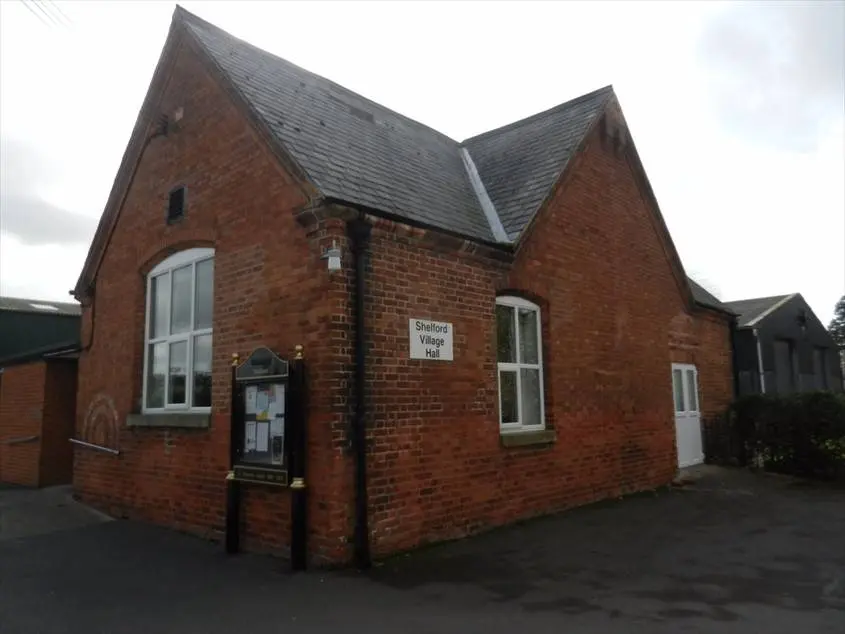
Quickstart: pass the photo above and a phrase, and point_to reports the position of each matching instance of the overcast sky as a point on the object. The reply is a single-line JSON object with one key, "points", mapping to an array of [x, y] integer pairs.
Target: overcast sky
{"points": [[738, 111]]}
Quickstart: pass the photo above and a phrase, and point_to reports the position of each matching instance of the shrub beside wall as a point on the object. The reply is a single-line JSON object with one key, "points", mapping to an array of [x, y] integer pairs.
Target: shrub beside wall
{"points": [[801, 434]]}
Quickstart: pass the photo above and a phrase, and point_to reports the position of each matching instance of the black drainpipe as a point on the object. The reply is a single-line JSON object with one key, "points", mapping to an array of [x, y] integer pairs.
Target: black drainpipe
{"points": [[734, 357], [359, 235]]}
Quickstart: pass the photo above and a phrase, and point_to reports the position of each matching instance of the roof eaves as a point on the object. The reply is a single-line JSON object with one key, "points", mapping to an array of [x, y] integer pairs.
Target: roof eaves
{"points": [[392, 216], [59, 314], [487, 205], [71, 352], [783, 300], [705, 299], [52, 351], [719, 309]]}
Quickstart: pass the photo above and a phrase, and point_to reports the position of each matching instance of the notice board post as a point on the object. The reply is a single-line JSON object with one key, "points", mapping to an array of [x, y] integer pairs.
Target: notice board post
{"points": [[267, 443]]}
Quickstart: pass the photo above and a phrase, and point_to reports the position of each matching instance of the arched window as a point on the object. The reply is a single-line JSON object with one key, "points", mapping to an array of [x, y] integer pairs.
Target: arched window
{"points": [[519, 355], [177, 340]]}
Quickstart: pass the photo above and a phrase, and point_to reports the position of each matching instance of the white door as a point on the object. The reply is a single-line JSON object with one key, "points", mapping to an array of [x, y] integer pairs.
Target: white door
{"points": [[687, 415]]}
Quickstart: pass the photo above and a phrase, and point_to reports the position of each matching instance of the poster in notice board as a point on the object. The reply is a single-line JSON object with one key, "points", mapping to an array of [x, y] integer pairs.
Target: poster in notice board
{"points": [[264, 434]]}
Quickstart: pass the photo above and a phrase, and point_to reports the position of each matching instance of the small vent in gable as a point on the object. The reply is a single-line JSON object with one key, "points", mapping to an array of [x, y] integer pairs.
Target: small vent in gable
{"points": [[176, 204]]}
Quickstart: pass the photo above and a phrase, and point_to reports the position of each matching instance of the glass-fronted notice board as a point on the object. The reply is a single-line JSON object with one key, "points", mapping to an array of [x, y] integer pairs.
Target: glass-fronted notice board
{"points": [[264, 424], [267, 442]]}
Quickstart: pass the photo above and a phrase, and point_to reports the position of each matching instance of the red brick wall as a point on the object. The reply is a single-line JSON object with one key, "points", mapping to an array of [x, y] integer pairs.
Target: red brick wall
{"points": [[271, 289], [704, 341], [594, 261], [58, 423], [434, 463], [599, 267], [21, 409]]}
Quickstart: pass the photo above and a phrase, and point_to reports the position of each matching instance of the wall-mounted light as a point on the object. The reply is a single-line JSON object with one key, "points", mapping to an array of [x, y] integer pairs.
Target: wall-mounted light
{"points": [[332, 254]]}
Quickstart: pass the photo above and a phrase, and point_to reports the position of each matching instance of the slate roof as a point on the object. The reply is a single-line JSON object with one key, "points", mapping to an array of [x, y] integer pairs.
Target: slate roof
{"points": [[350, 147], [704, 297], [357, 151], [520, 162], [749, 310], [40, 306]]}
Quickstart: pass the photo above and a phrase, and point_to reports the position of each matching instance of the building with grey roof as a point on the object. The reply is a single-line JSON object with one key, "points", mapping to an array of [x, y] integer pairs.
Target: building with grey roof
{"points": [[783, 348]]}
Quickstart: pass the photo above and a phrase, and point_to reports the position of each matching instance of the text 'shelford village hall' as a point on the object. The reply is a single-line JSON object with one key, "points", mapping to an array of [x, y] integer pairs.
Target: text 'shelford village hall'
{"points": [[430, 339]]}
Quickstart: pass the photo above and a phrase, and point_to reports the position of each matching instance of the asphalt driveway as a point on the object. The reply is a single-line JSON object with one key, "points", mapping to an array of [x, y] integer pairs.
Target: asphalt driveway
{"points": [[733, 552]]}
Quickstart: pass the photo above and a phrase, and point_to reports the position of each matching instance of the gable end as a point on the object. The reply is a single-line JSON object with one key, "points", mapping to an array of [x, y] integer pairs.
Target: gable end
{"points": [[150, 125]]}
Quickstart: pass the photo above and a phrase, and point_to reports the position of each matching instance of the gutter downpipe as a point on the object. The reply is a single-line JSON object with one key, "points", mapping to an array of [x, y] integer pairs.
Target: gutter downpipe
{"points": [[162, 130], [358, 231], [735, 369], [760, 363]]}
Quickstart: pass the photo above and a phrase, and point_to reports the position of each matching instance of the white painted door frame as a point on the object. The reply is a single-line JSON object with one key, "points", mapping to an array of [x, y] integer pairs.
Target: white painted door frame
{"points": [[687, 414]]}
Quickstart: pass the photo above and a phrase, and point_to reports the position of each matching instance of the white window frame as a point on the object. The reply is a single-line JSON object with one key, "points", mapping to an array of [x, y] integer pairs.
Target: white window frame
{"points": [[515, 303], [178, 260], [687, 411]]}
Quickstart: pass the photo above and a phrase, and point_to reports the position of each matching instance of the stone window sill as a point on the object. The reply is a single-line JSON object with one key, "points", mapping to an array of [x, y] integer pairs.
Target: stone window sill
{"points": [[528, 438], [182, 421]]}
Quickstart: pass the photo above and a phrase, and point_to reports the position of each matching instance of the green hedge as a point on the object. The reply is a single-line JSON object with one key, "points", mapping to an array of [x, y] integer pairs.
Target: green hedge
{"points": [[801, 434]]}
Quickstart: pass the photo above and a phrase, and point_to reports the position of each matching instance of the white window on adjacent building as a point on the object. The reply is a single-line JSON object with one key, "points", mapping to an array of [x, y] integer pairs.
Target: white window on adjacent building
{"points": [[520, 364], [177, 342]]}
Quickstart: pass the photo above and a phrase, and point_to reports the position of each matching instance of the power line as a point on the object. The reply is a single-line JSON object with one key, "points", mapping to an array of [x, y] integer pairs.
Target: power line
{"points": [[41, 7], [48, 13], [57, 12], [46, 16], [34, 12]]}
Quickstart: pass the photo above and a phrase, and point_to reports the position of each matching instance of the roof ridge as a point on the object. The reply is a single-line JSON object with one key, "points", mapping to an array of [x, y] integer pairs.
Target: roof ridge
{"points": [[186, 16], [771, 308], [761, 307], [484, 200], [757, 299], [38, 301], [566, 104]]}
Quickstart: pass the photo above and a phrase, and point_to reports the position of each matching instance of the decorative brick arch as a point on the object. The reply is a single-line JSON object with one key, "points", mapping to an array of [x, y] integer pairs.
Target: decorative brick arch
{"points": [[682, 335], [534, 298], [159, 252], [101, 423]]}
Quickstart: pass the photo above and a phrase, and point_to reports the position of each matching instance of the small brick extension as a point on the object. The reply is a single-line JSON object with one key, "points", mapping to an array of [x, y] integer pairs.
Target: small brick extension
{"points": [[37, 401]]}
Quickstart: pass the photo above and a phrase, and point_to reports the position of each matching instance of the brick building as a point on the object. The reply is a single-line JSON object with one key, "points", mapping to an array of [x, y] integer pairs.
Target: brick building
{"points": [[39, 345], [535, 256]]}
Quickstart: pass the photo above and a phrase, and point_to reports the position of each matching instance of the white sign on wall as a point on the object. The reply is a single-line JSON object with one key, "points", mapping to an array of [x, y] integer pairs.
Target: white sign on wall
{"points": [[430, 339]]}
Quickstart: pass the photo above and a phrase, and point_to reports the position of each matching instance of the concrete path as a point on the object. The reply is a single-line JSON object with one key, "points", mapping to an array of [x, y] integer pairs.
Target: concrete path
{"points": [[732, 552], [27, 512]]}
